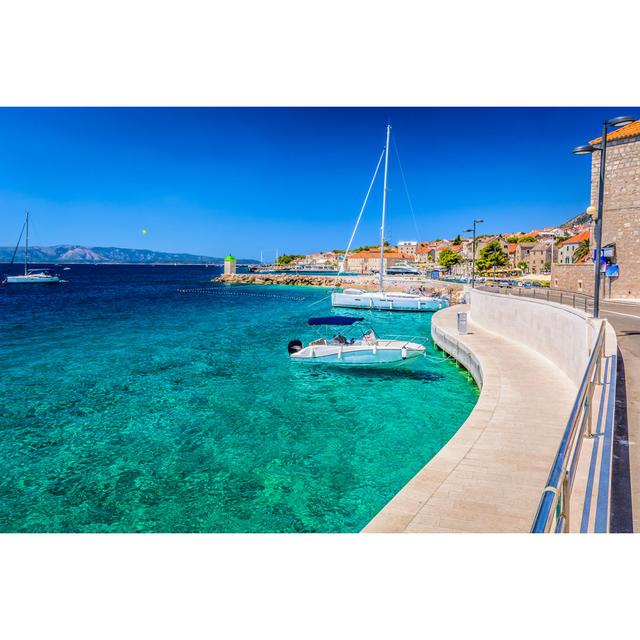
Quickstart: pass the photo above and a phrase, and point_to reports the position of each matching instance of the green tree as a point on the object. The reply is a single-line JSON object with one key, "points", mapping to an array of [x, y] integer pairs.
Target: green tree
{"points": [[457, 239], [288, 258], [522, 265], [581, 251], [448, 258], [492, 256], [513, 239], [526, 239], [547, 266]]}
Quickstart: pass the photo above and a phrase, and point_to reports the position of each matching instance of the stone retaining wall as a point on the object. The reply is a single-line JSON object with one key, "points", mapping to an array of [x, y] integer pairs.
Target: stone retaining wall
{"points": [[560, 333], [457, 350]]}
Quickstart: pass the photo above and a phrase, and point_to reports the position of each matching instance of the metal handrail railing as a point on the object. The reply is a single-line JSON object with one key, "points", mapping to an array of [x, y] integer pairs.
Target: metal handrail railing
{"points": [[573, 298], [555, 502]]}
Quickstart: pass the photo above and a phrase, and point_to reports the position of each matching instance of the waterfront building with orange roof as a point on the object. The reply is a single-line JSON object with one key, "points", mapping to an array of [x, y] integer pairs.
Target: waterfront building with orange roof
{"points": [[369, 261], [569, 247]]}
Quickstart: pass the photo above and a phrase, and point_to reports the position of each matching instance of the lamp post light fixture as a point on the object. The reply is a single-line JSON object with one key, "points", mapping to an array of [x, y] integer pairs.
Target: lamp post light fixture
{"points": [[602, 148], [473, 252]]}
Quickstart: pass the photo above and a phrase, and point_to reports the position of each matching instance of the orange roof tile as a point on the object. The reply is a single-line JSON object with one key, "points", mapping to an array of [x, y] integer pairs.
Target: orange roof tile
{"points": [[365, 254], [581, 237], [376, 254], [628, 131], [512, 247]]}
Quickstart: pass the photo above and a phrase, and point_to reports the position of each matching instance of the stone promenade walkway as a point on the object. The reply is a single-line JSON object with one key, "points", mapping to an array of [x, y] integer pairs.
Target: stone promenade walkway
{"points": [[490, 475]]}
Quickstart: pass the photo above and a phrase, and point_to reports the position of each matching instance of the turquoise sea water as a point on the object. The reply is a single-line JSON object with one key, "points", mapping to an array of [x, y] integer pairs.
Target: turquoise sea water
{"points": [[128, 405]]}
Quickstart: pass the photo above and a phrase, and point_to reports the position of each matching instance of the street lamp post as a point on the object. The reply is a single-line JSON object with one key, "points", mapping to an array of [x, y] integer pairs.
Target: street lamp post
{"points": [[473, 253], [589, 149]]}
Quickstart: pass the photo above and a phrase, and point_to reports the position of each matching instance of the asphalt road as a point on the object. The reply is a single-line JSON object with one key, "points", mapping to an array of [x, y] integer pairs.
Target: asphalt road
{"points": [[625, 481]]}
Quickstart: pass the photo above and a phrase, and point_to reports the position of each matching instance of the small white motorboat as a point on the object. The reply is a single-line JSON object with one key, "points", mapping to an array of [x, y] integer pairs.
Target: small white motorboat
{"points": [[365, 350]]}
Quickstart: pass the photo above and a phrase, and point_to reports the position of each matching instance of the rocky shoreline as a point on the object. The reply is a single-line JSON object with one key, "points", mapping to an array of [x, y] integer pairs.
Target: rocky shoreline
{"points": [[284, 278], [361, 282]]}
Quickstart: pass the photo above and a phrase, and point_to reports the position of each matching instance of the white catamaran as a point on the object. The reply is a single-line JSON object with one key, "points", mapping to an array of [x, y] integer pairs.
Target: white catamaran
{"points": [[30, 276], [383, 300]]}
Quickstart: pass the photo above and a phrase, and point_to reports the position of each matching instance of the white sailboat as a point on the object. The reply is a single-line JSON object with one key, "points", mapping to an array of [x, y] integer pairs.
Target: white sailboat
{"points": [[383, 300], [30, 276]]}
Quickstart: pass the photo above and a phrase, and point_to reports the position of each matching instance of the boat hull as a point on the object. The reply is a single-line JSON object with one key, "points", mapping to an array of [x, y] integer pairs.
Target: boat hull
{"points": [[385, 302], [382, 355], [32, 280]]}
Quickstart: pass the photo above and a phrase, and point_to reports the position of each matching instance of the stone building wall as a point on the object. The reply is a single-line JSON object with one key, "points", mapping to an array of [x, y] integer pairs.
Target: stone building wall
{"points": [[621, 219], [538, 257], [573, 277]]}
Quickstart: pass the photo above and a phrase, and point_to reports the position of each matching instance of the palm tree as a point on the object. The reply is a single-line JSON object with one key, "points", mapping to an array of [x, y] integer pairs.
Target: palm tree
{"points": [[581, 251]]}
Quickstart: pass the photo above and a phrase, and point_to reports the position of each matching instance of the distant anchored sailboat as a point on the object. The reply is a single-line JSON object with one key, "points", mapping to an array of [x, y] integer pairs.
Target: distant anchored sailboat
{"points": [[30, 276], [384, 300]]}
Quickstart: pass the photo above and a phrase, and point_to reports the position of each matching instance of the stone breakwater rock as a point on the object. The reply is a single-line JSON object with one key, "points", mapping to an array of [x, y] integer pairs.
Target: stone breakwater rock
{"points": [[329, 281], [286, 279]]}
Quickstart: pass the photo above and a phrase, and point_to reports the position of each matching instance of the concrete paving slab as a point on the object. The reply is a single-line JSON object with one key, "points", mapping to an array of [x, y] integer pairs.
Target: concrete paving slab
{"points": [[490, 475]]}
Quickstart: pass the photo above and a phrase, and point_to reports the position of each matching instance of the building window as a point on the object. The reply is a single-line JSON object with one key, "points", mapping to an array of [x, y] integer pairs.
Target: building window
{"points": [[579, 285], [555, 282]]}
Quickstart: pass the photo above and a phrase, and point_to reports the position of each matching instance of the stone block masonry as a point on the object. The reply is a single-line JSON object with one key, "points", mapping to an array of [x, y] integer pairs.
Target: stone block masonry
{"points": [[621, 219], [573, 277]]}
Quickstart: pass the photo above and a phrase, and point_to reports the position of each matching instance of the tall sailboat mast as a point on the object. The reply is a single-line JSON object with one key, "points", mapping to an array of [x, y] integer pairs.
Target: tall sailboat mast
{"points": [[26, 246], [384, 205]]}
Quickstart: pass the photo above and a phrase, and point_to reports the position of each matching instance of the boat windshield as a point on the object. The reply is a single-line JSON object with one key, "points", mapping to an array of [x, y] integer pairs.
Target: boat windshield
{"points": [[349, 335]]}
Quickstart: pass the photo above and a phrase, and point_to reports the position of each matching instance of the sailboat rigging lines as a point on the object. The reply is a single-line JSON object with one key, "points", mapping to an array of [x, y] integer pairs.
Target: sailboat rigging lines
{"points": [[381, 299]]}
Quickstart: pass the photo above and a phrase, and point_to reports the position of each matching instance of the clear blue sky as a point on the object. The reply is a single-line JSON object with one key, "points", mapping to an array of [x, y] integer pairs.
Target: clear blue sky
{"points": [[213, 181]]}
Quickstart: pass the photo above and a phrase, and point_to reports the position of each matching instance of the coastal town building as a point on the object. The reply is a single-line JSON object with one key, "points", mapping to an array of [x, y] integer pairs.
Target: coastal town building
{"points": [[620, 223], [621, 218], [511, 252], [570, 246], [483, 242], [522, 253], [322, 260], [369, 261], [539, 258], [408, 247], [424, 256], [536, 255]]}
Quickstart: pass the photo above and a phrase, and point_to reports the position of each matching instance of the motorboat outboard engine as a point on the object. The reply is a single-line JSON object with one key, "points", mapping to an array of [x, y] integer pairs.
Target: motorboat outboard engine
{"points": [[294, 346]]}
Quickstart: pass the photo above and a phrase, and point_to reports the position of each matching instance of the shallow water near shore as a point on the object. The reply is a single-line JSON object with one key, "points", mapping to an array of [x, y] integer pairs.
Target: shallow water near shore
{"points": [[146, 399]]}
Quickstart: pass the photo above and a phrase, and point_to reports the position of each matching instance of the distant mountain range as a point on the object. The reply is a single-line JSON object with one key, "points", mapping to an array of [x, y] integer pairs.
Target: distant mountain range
{"points": [[77, 254]]}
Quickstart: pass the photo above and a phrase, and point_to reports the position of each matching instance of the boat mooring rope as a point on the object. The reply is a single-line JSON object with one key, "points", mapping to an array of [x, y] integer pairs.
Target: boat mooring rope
{"points": [[221, 292]]}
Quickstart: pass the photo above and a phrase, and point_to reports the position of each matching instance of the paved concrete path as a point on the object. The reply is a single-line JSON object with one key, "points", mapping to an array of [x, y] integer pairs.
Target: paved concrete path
{"points": [[490, 476], [625, 490]]}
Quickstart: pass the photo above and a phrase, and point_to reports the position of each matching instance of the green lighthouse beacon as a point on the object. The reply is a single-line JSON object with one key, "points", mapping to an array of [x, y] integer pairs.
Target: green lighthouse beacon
{"points": [[229, 265]]}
